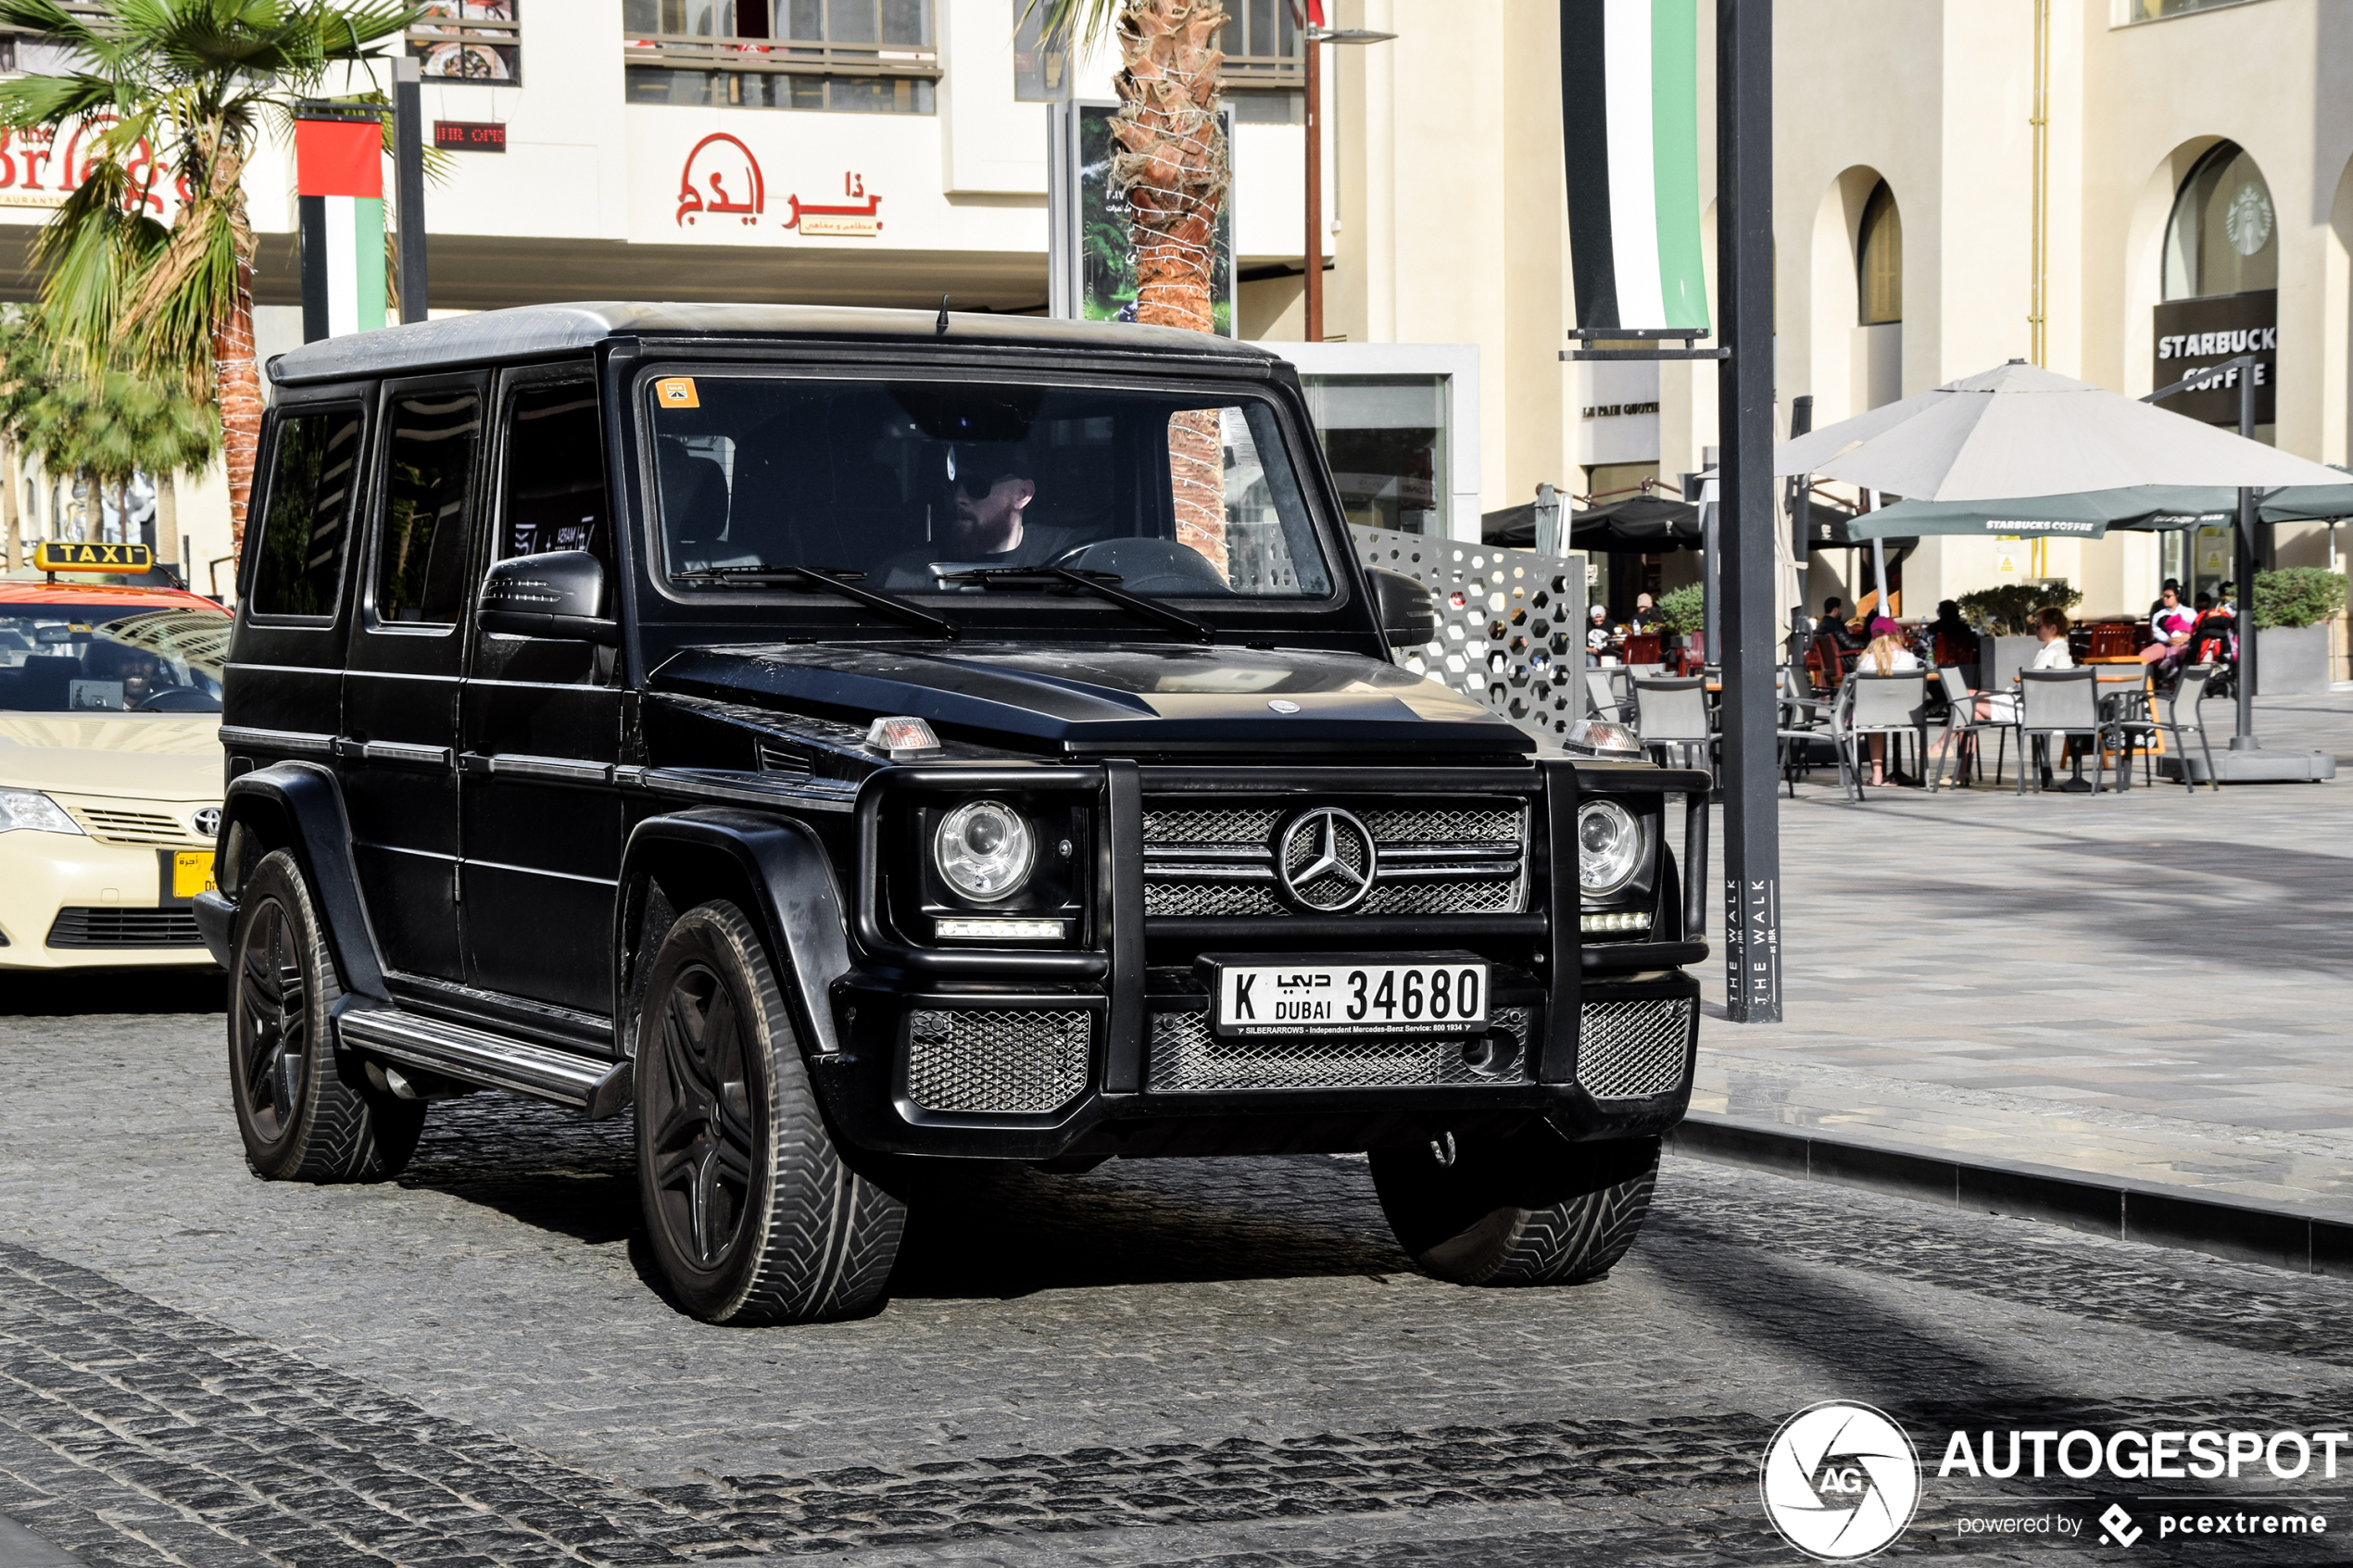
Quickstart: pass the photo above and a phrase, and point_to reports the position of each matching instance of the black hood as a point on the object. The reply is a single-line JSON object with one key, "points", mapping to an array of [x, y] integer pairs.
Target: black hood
{"points": [[1098, 697]]}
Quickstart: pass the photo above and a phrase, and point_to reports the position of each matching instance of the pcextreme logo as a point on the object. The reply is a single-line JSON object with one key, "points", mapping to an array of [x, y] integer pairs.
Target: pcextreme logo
{"points": [[1840, 1480]]}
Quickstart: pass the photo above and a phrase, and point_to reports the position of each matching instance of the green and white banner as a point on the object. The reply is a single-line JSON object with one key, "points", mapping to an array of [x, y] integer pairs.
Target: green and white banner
{"points": [[1630, 113]]}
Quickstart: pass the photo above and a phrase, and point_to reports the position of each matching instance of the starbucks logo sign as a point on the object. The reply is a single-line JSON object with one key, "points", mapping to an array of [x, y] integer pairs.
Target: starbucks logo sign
{"points": [[2249, 221]]}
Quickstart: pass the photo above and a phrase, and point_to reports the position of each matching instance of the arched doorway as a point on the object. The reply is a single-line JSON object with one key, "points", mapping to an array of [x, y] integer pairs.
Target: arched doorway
{"points": [[2219, 299]]}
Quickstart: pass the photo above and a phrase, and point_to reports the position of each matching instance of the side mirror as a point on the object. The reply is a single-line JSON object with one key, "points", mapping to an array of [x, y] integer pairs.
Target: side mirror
{"points": [[561, 594], [1408, 616]]}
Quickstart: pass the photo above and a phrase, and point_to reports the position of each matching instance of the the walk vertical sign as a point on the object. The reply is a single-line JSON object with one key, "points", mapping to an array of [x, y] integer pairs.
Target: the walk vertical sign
{"points": [[339, 180]]}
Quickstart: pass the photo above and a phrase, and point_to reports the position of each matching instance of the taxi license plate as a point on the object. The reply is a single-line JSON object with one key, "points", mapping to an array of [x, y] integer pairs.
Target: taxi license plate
{"points": [[191, 872], [1417, 994]]}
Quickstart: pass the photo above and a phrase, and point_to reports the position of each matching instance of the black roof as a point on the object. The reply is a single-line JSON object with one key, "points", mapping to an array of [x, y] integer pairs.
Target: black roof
{"points": [[545, 331]]}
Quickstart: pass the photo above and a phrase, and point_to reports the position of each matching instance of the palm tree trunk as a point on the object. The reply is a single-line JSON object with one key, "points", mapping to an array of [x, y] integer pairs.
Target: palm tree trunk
{"points": [[238, 383], [1172, 167]]}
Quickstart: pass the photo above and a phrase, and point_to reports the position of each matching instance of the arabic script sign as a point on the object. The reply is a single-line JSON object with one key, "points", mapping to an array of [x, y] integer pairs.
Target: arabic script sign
{"points": [[717, 163], [720, 176], [861, 221]]}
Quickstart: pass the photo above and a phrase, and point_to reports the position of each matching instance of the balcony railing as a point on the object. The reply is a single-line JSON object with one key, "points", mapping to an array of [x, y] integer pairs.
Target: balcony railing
{"points": [[1264, 70], [676, 52]]}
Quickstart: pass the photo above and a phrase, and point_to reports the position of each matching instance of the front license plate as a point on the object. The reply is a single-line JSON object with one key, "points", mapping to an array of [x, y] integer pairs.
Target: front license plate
{"points": [[191, 872], [1439, 995]]}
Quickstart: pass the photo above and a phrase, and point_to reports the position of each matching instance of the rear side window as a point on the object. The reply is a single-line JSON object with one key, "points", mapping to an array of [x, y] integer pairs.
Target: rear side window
{"points": [[420, 555], [556, 474], [300, 562]]}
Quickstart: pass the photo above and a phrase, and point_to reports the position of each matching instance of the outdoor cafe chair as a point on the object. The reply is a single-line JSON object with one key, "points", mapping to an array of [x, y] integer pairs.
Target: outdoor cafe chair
{"points": [[1963, 727], [2189, 691], [2061, 702], [1672, 711], [1601, 695], [1803, 718], [1891, 705]]}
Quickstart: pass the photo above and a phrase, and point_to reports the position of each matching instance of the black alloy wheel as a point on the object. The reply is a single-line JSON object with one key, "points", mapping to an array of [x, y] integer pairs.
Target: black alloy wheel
{"points": [[756, 1214], [304, 1110], [701, 1140]]}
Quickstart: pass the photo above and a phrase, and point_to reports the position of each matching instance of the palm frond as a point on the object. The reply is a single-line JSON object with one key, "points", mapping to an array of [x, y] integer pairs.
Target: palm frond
{"points": [[1084, 23], [28, 100]]}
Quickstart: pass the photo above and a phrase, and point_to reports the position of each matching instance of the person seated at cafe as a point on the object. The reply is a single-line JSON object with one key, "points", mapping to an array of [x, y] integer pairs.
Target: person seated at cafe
{"points": [[2050, 631], [1950, 636], [1597, 634], [1884, 655], [1645, 617], [1833, 625], [2171, 625], [2217, 630]]}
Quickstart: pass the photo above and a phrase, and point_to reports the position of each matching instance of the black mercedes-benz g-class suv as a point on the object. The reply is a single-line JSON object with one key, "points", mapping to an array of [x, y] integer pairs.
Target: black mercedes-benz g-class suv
{"points": [[851, 739]]}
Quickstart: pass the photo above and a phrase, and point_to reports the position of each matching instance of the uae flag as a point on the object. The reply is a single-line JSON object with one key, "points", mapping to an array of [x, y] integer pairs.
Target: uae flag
{"points": [[1629, 109], [339, 179]]}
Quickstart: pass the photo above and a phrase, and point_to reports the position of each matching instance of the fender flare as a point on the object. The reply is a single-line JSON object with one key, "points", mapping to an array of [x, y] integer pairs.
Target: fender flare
{"points": [[800, 905], [299, 806]]}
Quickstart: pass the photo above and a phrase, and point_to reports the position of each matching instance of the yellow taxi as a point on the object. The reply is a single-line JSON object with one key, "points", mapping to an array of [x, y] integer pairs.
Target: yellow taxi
{"points": [[109, 772]]}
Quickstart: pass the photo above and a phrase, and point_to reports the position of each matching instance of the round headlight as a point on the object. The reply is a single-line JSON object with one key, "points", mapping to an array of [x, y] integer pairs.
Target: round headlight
{"points": [[984, 849], [1609, 848]]}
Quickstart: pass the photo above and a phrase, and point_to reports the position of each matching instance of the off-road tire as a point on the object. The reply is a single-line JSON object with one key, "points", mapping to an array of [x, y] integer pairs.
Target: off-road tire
{"points": [[304, 1109], [1531, 1209], [755, 1216]]}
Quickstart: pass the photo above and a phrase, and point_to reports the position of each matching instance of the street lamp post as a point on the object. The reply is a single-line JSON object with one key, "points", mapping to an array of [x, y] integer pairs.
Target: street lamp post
{"points": [[1316, 33]]}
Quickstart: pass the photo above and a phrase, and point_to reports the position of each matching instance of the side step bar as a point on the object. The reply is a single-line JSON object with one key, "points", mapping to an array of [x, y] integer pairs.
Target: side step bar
{"points": [[595, 1089]]}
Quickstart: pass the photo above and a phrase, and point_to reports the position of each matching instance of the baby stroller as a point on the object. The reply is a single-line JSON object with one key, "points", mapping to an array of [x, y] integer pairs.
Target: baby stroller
{"points": [[2215, 641]]}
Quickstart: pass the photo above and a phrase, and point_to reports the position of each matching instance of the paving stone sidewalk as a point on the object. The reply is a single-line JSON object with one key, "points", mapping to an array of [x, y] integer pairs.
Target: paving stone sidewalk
{"points": [[2153, 986]]}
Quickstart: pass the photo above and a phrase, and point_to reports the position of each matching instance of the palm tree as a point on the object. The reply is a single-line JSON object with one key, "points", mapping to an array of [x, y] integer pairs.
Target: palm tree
{"points": [[178, 92], [1171, 168], [104, 428]]}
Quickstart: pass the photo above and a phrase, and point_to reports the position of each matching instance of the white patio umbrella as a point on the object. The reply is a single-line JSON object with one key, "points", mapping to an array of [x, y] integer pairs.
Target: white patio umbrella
{"points": [[2019, 429]]}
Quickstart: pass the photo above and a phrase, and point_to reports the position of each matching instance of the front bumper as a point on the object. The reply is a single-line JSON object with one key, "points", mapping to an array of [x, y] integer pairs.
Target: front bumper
{"points": [[1108, 1051], [68, 901]]}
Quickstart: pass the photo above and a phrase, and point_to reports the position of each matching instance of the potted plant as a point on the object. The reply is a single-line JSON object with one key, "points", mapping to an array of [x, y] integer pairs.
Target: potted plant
{"points": [[1682, 614], [2292, 607]]}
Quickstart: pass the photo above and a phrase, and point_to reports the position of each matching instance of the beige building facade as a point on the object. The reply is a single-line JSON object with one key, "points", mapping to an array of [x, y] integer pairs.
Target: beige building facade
{"points": [[1904, 218]]}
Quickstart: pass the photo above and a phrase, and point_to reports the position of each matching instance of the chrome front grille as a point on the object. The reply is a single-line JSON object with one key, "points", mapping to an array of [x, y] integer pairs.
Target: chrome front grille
{"points": [[1634, 1049], [998, 1061], [1212, 858], [135, 829], [1186, 1057]]}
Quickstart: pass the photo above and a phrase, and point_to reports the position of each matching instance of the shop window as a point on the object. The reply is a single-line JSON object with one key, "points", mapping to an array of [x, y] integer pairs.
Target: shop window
{"points": [[1385, 439], [2127, 12], [851, 57], [469, 41], [1879, 260], [2223, 235]]}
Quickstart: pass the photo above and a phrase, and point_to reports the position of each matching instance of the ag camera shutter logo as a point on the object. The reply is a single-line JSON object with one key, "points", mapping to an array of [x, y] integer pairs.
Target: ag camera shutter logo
{"points": [[1841, 1481]]}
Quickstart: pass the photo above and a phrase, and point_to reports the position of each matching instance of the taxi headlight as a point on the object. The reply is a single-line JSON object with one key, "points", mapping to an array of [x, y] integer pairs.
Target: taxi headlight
{"points": [[985, 849], [1609, 848], [31, 808]]}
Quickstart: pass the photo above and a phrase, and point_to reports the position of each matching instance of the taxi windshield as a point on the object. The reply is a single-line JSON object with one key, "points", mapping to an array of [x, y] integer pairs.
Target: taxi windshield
{"points": [[85, 658], [939, 487]]}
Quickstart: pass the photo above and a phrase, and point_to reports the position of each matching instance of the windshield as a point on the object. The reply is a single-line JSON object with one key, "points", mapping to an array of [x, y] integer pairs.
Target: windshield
{"points": [[83, 657], [1167, 493]]}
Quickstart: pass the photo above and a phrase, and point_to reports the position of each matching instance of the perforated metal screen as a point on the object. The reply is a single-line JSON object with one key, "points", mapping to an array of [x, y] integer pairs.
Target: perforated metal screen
{"points": [[1511, 623]]}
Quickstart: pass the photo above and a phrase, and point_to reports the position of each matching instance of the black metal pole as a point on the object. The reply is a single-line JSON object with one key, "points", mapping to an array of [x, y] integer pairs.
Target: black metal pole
{"points": [[2243, 553], [1801, 513], [408, 167], [1744, 502]]}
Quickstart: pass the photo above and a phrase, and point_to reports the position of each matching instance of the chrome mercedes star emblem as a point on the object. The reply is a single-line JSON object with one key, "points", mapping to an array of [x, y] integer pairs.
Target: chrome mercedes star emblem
{"points": [[207, 822], [1327, 861], [1283, 704]]}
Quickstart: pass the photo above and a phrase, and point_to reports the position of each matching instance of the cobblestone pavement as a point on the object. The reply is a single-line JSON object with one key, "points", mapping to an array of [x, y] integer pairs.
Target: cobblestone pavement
{"points": [[1195, 1362], [2150, 984]]}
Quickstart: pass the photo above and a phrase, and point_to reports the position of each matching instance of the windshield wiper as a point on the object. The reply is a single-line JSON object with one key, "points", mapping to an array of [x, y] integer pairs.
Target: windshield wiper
{"points": [[1100, 584], [842, 583]]}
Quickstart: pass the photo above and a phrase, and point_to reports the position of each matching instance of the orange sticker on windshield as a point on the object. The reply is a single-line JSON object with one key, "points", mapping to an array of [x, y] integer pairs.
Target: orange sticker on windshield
{"points": [[676, 392]]}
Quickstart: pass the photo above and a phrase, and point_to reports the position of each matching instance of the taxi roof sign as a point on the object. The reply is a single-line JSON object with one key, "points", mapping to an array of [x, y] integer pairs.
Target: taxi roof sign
{"points": [[60, 554]]}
